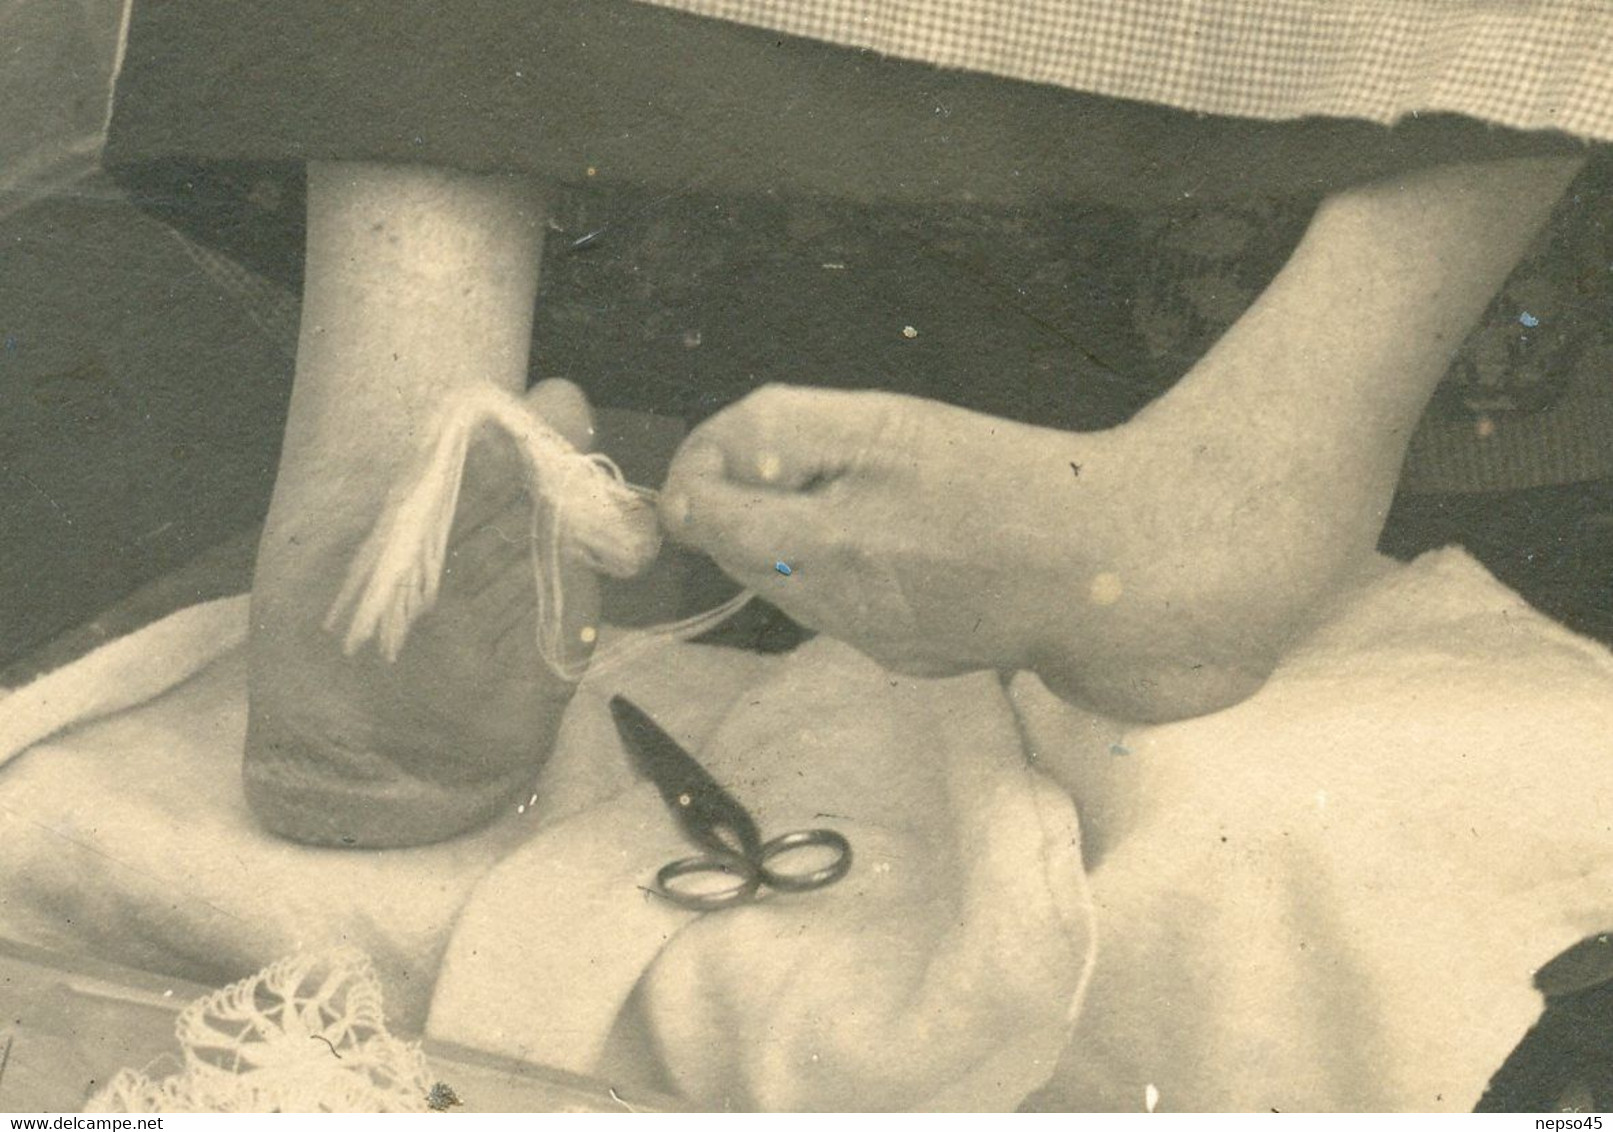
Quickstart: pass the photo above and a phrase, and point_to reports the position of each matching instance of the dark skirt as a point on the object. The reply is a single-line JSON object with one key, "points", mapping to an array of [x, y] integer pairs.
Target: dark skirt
{"points": [[1010, 221], [612, 91]]}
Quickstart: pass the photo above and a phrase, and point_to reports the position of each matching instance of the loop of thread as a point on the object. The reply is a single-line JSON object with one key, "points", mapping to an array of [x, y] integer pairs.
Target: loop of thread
{"points": [[582, 508]]}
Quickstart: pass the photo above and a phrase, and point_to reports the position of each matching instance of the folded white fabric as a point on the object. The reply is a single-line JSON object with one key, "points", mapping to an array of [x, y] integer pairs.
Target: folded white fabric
{"points": [[124, 832], [1334, 895], [941, 973]]}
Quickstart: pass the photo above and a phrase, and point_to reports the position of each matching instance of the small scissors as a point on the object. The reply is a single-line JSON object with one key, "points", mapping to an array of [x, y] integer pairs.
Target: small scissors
{"points": [[714, 820]]}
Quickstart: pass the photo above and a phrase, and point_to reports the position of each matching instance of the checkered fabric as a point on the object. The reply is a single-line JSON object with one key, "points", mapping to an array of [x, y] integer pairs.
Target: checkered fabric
{"points": [[1546, 64]]}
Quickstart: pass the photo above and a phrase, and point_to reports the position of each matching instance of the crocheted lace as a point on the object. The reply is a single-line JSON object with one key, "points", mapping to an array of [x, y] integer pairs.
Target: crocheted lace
{"points": [[307, 1034]]}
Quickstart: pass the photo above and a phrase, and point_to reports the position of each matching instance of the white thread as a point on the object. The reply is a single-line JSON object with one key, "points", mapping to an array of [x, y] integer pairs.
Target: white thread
{"points": [[582, 508]]}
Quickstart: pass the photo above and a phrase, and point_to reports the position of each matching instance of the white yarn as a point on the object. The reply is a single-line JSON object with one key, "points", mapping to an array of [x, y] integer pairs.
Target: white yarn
{"points": [[582, 507]]}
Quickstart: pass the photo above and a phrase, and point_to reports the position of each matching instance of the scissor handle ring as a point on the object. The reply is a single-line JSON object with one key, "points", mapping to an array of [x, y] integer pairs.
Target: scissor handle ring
{"points": [[748, 877], [800, 839]]}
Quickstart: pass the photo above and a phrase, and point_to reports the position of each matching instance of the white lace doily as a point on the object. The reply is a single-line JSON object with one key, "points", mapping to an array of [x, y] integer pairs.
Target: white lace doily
{"points": [[306, 1034]]}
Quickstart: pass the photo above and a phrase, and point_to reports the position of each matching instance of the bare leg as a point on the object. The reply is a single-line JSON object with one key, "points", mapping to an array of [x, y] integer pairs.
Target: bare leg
{"points": [[1158, 570], [419, 282]]}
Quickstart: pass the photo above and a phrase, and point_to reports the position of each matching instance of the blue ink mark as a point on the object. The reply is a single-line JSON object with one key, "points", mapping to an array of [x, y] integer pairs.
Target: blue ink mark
{"points": [[1529, 320], [783, 568], [1117, 749]]}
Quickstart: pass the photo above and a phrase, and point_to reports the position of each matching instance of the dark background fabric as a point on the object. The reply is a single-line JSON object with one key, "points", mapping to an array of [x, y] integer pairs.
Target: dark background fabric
{"points": [[723, 165]]}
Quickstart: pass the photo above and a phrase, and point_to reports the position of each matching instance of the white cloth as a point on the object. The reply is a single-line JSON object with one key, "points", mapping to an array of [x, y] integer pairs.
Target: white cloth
{"points": [[942, 971], [125, 833], [1332, 896]]}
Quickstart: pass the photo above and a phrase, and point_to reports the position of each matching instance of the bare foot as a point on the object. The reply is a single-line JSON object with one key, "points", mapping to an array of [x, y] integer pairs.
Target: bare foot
{"points": [[357, 751], [1137, 571]]}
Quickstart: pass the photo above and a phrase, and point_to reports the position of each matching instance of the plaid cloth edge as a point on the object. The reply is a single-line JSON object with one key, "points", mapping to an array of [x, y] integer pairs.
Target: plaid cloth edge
{"points": [[1545, 65]]}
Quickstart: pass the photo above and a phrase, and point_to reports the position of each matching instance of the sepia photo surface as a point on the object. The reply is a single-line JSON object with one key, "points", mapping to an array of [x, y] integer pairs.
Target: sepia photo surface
{"points": [[839, 555]]}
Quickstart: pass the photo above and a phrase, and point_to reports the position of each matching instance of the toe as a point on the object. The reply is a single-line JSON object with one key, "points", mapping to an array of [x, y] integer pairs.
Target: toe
{"points": [[563, 405]]}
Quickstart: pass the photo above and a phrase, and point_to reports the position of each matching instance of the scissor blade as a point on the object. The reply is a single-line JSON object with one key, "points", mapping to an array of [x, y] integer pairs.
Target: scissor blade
{"points": [[702, 807]]}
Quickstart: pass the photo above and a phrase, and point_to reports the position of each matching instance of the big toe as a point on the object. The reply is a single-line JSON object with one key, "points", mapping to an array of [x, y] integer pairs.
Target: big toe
{"points": [[566, 409]]}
